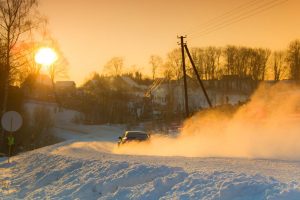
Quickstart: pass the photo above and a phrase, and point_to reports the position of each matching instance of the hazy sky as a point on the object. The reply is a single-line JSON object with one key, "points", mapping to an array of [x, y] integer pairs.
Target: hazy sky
{"points": [[90, 32]]}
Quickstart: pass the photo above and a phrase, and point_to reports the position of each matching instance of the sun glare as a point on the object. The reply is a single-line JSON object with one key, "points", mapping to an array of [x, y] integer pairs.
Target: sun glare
{"points": [[45, 56]]}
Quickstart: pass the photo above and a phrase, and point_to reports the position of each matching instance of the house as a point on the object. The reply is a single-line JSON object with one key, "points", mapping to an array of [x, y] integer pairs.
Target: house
{"points": [[236, 84], [39, 88], [66, 88], [65, 85], [171, 93], [134, 93]]}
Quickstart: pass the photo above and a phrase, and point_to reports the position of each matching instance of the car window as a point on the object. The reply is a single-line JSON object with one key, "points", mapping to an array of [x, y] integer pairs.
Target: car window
{"points": [[136, 135]]}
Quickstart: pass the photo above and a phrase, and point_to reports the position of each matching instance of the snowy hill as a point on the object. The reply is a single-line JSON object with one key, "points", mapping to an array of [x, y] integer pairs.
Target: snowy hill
{"points": [[89, 164], [89, 170]]}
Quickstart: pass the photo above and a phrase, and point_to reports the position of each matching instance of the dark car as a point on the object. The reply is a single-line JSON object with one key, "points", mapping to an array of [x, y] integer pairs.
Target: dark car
{"points": [[130, 136]]}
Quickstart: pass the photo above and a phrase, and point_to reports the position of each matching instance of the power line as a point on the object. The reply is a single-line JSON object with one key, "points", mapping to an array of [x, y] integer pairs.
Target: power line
{"points": [[228, 13], [231, 19], [236, 20], [238, 16]]}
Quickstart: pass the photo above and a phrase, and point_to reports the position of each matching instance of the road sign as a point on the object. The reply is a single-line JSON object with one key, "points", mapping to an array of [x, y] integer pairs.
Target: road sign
{"points": [[11, 121]]}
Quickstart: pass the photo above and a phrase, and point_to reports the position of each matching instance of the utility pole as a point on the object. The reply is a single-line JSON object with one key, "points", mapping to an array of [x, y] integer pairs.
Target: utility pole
{"points": [[197, 74], [184, 76]]}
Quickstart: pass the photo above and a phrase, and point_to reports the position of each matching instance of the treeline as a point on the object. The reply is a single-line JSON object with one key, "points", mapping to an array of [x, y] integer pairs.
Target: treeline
{"points": [[213, 63]]}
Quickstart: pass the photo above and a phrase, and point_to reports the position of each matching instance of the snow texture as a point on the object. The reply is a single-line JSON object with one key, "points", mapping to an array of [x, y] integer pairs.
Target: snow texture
{"points": [[84, 170]]}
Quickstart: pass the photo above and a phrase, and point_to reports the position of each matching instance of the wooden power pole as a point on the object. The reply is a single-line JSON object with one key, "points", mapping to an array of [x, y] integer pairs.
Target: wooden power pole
{"points": [[186, 102]]}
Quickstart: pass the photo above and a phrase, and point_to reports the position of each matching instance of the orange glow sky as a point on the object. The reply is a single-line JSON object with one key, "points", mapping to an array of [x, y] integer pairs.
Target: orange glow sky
{"points": [[90, 32]]}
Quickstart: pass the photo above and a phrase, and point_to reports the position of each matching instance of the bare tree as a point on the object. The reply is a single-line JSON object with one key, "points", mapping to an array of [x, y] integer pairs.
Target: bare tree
{"points": [[279, 68], [167, 72], [198, 57], [264, 57], [25, 62], [156, 62], [114, 66], [59, 69], [211, 61], [230, 53], [293, 59], [16, 19], [258, 63], [173, 64], [243, 59]]}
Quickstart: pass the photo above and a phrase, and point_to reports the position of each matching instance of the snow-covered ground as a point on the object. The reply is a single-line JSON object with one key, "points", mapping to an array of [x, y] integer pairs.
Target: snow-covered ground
{"points": [[86, 166], [88, 170]]}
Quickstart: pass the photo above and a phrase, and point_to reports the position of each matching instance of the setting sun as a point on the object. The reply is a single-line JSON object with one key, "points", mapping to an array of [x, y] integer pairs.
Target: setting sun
{"points": [[45, 56]]}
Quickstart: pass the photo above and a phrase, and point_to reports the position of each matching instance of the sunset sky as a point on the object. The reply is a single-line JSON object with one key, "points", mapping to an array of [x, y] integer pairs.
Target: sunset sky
{"points": [[90, 32]]}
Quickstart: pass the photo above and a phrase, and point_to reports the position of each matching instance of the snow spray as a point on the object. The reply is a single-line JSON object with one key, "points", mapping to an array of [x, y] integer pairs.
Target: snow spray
{"points": [[268, 126]]}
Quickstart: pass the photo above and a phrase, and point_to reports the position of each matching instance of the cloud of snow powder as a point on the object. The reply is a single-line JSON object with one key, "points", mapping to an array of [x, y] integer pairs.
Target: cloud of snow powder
{"points": [[266, 127]]}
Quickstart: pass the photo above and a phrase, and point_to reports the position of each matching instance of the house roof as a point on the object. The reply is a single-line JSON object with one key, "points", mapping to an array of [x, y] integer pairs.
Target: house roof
{"points": [[65, 84], [132, 83]]}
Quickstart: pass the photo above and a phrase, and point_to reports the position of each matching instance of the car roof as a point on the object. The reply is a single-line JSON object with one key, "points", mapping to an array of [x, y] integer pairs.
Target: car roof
{"points": [[136, 132]]}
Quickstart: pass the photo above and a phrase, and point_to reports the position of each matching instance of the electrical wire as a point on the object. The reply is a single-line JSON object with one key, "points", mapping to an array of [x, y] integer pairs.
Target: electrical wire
{"points": [[223, 16], [250, 13]]}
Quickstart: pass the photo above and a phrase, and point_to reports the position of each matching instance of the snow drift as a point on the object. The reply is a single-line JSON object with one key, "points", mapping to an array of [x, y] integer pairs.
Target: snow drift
{"points": [[70, 171]]}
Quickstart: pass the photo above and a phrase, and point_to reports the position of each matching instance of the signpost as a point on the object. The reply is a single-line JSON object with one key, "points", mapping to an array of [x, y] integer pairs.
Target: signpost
{"points": [[11, 121]]}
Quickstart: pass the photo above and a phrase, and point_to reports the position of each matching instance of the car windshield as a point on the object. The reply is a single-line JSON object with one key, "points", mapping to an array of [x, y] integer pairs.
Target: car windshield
{"points": [[136, 136]]}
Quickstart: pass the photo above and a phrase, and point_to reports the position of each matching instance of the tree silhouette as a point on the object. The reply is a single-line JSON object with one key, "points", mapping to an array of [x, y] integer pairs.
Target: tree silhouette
{"points": [[293, 59], [16, 19]]}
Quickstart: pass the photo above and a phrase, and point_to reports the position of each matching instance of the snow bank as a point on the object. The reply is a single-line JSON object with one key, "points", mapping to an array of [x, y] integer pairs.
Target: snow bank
{"points": [[63, 172]]}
